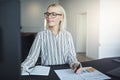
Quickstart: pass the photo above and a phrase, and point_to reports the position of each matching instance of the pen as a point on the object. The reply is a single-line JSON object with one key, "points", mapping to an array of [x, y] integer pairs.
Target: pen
{"points": [[28, 72], [31, 67], [77, 68]]}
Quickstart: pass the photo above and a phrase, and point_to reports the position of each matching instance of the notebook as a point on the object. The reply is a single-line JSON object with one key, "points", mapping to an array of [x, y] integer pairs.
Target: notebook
{"points": [[37, 70], [114, 72], [89, 73]]}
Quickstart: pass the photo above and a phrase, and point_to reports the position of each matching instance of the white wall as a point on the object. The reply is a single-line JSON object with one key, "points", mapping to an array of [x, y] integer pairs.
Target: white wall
{"points": [[109, 28], [91, 7], [93, 28], [81, 29], [32, 14]]}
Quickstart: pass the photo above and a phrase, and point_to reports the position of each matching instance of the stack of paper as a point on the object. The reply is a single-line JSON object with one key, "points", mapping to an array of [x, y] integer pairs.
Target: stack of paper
{"points": [[37, 70], [68, 74]]}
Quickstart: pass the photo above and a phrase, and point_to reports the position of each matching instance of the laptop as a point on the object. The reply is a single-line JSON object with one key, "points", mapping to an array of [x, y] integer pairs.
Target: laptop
{"points": [[114, 72], [10, 48]]}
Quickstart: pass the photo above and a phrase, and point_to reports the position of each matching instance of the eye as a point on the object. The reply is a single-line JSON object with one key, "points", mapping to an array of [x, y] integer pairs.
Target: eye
{"points": [[47, 13], [54, 14]]}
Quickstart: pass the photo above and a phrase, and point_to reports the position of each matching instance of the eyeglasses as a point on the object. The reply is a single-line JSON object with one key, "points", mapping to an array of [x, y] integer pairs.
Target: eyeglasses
{"points": [[53, 14]]}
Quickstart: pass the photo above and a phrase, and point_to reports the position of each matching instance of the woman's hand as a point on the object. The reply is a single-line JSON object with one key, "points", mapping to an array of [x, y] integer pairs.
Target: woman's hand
{"points": [[77, 68]]}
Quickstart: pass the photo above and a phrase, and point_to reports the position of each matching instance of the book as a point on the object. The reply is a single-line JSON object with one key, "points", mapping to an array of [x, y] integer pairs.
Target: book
{"points": [[89, 73], [37, 70]]}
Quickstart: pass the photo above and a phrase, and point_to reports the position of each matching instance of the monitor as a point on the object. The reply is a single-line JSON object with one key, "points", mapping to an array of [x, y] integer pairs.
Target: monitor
{"points": [[10, 46]]}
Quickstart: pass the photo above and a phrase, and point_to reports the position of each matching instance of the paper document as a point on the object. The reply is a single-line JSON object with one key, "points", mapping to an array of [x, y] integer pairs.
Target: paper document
{"points": [[37, 70], [68, 74]]}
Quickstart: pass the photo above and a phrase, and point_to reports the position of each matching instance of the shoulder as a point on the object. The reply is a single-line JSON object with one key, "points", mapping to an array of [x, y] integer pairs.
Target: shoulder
{"points": [[67, 33], [41, 33]]}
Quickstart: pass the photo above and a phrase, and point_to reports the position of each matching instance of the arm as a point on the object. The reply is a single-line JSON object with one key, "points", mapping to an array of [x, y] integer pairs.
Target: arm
{"points": [[33, 54], [73, 62], [72, 59]]}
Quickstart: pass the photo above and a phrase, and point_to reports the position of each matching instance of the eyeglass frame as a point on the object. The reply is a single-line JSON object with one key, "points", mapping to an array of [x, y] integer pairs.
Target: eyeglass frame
{"points": [[53, 14]]}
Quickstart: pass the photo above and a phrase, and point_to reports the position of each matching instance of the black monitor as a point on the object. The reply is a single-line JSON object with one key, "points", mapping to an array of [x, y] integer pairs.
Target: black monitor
{"points": [[10, 46]]}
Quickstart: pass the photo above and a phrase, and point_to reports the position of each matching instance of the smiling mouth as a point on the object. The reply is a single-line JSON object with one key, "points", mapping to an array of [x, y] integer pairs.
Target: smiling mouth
{"points": [[50, 21]]}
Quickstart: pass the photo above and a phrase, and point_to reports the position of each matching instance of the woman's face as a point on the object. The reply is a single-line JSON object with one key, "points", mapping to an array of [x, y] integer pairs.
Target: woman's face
{"points": [[53, 17]]}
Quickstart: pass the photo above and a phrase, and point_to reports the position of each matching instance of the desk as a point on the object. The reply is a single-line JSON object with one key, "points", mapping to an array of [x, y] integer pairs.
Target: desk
{"points": [[102, 65]]}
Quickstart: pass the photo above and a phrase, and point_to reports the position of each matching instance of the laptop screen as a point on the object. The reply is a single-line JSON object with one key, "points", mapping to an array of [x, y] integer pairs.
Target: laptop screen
{"points": [[9, 40]]}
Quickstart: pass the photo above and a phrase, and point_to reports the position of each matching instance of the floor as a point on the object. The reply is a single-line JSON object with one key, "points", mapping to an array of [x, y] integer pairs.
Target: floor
{"points": [[82, 57]]}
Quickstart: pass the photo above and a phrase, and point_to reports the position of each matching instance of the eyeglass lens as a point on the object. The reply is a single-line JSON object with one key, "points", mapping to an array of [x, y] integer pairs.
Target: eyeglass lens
{"points": [[53, 14]]}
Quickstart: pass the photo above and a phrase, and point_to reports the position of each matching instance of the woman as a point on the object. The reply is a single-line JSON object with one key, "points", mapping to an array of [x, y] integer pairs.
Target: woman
{"points": [[54, 45]]}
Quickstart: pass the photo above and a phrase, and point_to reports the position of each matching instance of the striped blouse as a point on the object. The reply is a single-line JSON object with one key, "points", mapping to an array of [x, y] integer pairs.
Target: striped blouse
{"points": [[52, 49]]}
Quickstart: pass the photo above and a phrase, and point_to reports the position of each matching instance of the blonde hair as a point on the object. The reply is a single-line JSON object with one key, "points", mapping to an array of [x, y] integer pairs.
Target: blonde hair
{"points": [[63, 22]]}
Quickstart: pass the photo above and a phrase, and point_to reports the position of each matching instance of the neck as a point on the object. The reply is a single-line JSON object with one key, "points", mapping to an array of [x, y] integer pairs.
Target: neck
{"points": [[55, 30]]}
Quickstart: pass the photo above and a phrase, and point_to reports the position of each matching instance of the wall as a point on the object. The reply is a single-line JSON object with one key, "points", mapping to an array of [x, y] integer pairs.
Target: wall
{"points": [[109, 28], [91, 7], [32, 14]]}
